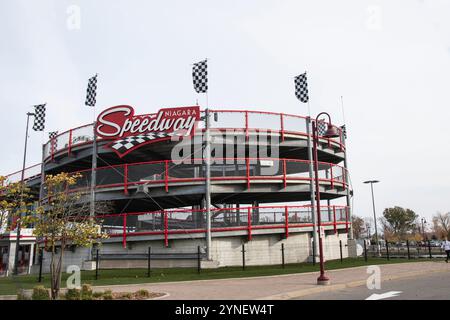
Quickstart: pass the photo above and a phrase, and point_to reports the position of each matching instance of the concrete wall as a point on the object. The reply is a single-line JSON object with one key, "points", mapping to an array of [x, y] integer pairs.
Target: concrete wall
{"points": [[226, 251]]}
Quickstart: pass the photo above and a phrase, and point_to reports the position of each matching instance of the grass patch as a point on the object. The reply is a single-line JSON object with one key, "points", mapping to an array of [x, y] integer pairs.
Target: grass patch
{"points": [[11, 285]]}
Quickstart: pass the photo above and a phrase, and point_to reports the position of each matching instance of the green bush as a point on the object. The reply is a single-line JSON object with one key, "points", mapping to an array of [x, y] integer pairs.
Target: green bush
{"points": [[107, 295], [127, 296], [73, 294], [143, 293], [86, 292], [97, 295], [40, 293]]}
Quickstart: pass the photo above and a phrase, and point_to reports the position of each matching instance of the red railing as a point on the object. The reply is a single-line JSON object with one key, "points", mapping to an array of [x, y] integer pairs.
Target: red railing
{"points": [[30, 173], [245, 120], [248, 170], [188, 221]]}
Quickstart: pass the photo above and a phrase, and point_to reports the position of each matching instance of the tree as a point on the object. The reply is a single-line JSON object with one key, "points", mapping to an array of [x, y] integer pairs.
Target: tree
{"points": [[399, 223], [16, 202], [441, 225], [62, 220], [358, 226]]}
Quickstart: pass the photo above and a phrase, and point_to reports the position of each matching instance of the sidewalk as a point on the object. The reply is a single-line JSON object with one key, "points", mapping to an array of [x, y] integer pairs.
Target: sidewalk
{"points": [[280, 287]]}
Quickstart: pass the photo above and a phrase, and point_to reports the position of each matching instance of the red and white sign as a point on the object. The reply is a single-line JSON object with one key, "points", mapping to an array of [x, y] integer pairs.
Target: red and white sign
{"points": [[130, 131]]}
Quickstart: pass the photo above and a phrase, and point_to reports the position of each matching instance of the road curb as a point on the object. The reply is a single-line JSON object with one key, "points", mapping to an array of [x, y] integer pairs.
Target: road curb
{"points": [[309, 291], [244, 278]]}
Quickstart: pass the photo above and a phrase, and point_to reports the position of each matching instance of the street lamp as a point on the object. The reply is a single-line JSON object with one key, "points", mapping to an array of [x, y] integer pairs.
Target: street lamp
{"points": [[330, 133], [423, 227], [374, 214]]}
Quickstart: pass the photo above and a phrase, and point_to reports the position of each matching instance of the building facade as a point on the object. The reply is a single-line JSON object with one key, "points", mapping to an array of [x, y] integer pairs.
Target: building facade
{"points": [[255, 189]]}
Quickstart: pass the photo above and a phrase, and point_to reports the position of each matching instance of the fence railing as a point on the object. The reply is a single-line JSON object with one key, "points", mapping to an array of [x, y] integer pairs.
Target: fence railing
{"points": [[407, 250], [30, 172], [250, 219], [245, 120], [247, 170]]}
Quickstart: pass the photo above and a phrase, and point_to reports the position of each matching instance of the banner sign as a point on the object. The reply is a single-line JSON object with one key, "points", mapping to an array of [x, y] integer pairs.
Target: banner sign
{"points": [[130, 132]]}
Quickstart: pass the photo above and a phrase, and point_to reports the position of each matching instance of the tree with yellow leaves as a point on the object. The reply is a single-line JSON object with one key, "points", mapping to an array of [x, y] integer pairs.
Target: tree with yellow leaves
{"points": [[64, 219]]}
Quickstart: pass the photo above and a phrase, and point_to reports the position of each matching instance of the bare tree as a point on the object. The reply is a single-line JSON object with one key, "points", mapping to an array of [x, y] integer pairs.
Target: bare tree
{"points": [[358, 226], [441, 225]]}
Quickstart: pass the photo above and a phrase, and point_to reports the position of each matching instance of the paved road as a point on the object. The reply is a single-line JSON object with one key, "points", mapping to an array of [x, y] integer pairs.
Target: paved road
{"points": [[425, 287], [282, 287]]}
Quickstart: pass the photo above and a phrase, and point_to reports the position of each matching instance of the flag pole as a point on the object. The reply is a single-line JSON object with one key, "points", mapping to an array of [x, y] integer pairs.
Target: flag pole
{"points": [[94, 164], [208, 178], [18, 225], [347, 196]]}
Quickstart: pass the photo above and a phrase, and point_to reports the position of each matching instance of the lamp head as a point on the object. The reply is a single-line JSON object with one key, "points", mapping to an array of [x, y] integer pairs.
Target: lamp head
{"points": [[331, 132], [371, 181]]}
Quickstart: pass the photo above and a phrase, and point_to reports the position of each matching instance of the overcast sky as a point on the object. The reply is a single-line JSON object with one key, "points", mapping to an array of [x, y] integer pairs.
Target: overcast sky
{"points": [[390, 60]]}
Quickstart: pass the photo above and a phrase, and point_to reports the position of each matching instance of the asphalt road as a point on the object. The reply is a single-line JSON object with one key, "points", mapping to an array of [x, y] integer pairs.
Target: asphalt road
{"points": [[435, 286]]}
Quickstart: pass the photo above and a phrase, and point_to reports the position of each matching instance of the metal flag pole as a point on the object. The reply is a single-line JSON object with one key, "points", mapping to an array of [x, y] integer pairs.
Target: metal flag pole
{"points": [[94, 164], [347, 196], [208, 178], [312, 188], [208, 183], [16, 255]]}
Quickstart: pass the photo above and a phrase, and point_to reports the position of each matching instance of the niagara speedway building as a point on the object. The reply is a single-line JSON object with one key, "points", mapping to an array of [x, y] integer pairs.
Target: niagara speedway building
{"points": [[153, 172]]}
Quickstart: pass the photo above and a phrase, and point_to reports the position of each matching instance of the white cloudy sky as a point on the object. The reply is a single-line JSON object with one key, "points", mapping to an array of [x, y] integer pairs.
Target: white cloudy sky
{"points": [[389, 59]]}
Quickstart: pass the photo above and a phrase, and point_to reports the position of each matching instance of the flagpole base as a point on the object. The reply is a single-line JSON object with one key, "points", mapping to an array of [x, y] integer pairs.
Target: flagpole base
{"points": [[323, 280]]}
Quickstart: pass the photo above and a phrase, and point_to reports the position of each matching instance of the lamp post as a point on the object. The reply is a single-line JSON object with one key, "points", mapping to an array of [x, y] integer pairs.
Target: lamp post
{"points": [[423, 227], [330, 133], [374, 212]]}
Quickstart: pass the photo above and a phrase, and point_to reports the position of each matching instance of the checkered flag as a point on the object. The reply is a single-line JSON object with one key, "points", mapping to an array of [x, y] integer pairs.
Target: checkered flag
{"points": [[39, 117], [53, 136], [128, 144], [344, 131], [322, 127], [200, 76], [301, 88], [91, 92]]}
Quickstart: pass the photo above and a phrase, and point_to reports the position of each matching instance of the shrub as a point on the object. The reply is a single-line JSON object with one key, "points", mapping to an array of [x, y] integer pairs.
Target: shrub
{"points": [[143, 293], [40, 293], [86, 292], [21, 295], [97, 295], [73, 294], [107, 295], [127, 295]]}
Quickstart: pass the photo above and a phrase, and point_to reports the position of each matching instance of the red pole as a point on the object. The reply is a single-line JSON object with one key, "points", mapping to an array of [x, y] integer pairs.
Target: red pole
{"points": [[166, 229], [248, 173], [125, 178], [334, 217], [124, 231], [284, 173], [282, 127], [346, 219], [70, 143], [166, 175], [246, 125], [322, 279]]}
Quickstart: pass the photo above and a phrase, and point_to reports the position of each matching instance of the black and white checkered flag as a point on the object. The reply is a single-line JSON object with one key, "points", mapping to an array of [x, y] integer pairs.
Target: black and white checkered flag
{"points": [[322, 128], [200, 76], [39, 117], [301, 88], [344, 131], [53, 139], [91, 92]]}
